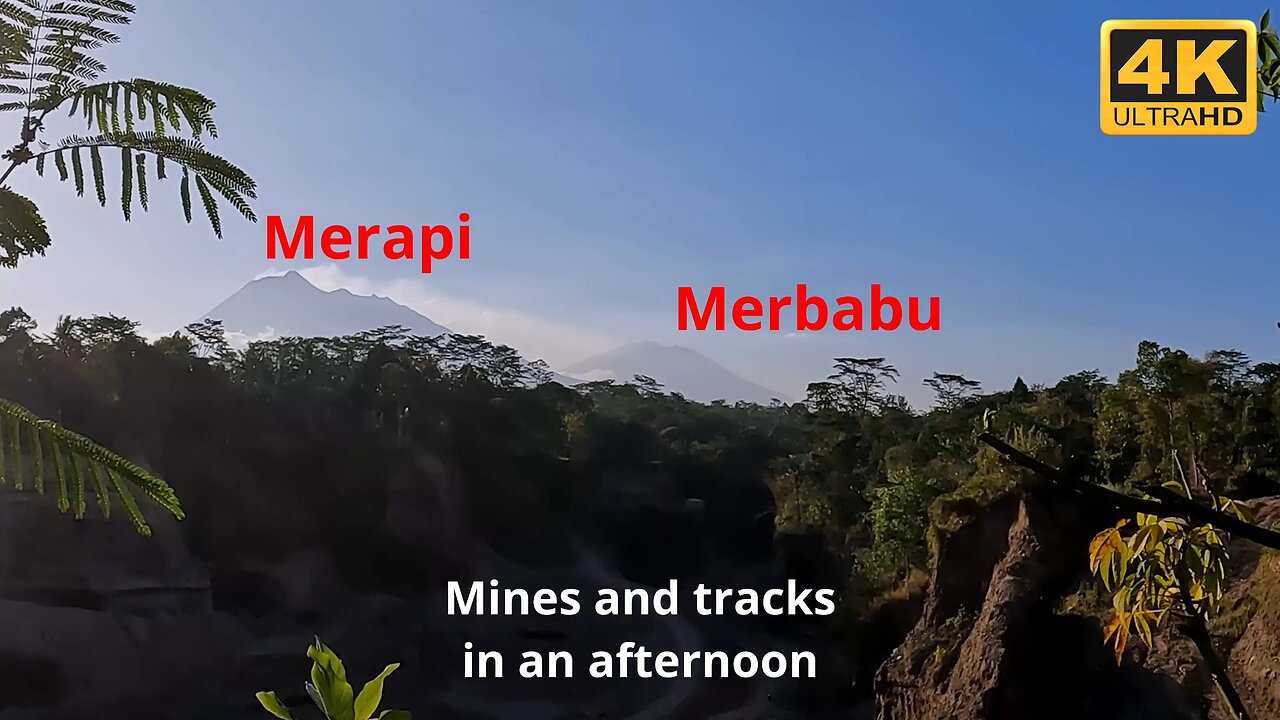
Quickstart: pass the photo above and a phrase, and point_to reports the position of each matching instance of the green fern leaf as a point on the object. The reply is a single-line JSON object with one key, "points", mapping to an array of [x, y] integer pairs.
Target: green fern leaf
{"points": [[100, 110], [164, 101], [37, 461], [78, 503], [210, 206], [142, 181], [126, 183], [77, 169], [113, 104], [100, 491], [128, 108], [61, 163], [19, 16], [213, 174], [92, 11], [130, 505], [60, 468], [95, 160], [185, 191], [79, 461], [22, 229]]}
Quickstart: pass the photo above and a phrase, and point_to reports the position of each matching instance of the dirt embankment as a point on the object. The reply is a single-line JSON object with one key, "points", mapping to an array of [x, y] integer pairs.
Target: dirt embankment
{"points": [[995, 639]]}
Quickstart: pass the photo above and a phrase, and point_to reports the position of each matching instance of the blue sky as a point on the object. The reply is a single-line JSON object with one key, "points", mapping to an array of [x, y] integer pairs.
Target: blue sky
{"points": [[610, 152]]}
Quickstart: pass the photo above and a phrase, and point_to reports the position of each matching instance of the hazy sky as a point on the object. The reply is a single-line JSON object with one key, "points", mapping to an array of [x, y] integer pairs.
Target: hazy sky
{"points": [[609, 152]]}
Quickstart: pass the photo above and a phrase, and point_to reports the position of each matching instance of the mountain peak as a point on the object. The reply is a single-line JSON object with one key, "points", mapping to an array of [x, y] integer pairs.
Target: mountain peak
{"points": [[293, 276], [290, 305], [677, 368]]}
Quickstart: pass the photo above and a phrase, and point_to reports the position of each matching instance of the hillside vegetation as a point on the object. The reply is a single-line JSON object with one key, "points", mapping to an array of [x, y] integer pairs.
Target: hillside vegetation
{"points": [[289, 445]]}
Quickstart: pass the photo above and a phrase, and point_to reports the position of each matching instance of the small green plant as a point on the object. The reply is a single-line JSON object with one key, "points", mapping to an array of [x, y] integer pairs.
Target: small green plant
{"points": [[331, 692], [1168, 565]]}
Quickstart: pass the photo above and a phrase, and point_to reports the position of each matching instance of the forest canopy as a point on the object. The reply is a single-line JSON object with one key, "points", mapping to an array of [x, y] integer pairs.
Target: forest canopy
{"points": [[853, 464]]}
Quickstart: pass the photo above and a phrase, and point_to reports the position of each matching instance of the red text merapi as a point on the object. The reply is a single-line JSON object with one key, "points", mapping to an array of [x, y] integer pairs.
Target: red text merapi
{"points": [[810, 312], [435, 242]]}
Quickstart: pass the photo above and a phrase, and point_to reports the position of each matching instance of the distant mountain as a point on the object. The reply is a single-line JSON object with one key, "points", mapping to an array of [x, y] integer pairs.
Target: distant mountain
{"points": [[678, 369], [288, 305]]}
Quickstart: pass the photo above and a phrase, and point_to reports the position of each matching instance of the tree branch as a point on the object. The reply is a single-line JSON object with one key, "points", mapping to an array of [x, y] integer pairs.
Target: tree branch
{"points": [[1168, 505], [1195, 629]]}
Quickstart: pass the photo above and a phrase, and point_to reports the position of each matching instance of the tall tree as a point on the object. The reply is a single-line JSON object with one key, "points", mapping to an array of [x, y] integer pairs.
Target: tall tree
{"points": [[46, 66], [951, 390], [859, 383]]}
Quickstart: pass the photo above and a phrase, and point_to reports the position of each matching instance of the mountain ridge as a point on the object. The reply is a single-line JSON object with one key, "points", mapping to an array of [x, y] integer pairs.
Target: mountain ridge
{"points": [[293, 306], [678, 368], [289, 305]]}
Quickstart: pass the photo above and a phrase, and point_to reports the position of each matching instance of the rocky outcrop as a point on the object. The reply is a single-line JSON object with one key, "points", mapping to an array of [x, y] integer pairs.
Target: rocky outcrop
{"points": [[990, 646], [1255, 659]]}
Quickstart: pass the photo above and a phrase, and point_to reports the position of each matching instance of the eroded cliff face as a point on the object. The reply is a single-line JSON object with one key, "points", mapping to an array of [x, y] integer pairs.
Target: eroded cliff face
{"points": [[992, 643], [1254, 664]]}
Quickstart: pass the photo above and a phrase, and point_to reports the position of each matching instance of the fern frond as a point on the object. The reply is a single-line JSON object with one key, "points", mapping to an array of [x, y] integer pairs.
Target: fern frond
{"points": [[210, 205], [60, 467], [78, 503], [90, 11], [126, 183], [68, 31], [170, 106], [22, 229], [212, 175], [96, 474], [22, 18], [51, 43], [142, 181], [37, 461], [77, 170], [79, 461], [95, 160], [71, 63], [184, 191]]}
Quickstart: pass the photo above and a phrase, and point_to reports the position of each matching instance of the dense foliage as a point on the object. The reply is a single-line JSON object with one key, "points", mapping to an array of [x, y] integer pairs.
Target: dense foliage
{"points": [[854, 465], [48, 65]]}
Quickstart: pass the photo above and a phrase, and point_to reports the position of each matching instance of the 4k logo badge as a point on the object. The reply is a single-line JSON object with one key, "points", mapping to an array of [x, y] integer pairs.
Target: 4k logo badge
{"points": [[1179, 77]]}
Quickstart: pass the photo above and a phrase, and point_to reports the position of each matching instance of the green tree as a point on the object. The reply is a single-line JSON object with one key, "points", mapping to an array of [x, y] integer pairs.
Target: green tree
{"points": [[14, 322], [951, 390], [900, 520], [47, 65]]}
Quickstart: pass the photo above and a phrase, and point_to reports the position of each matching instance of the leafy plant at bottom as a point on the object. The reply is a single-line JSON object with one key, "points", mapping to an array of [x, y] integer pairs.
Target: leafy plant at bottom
{"points": [[1165, 566], [333, 694]]}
